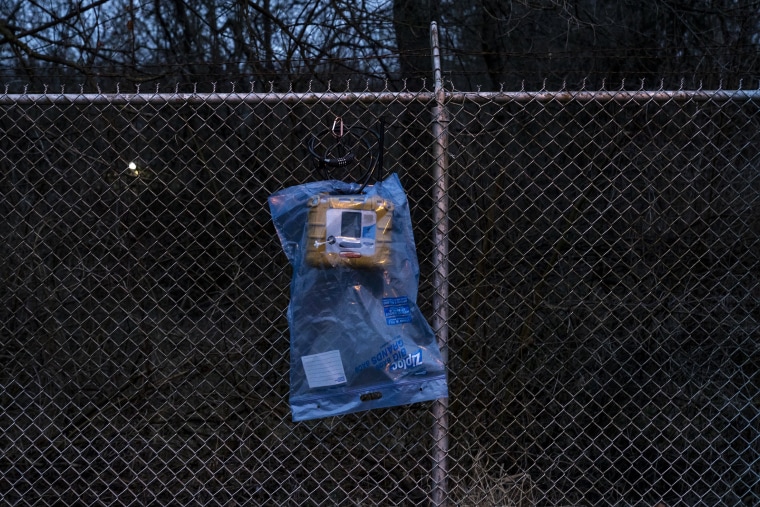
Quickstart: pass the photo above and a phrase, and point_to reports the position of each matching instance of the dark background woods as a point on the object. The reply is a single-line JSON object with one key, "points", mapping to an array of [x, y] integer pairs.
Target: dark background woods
{"points": [[486, 43], [604, 253]]}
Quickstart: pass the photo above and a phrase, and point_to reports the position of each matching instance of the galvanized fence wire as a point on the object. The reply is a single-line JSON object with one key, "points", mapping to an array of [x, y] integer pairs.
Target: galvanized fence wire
{"points": [[603, 301], [605, 282]]}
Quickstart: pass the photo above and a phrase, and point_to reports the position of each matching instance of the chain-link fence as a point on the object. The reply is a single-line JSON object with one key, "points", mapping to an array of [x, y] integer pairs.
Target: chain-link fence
{"points": [[602, 301]]}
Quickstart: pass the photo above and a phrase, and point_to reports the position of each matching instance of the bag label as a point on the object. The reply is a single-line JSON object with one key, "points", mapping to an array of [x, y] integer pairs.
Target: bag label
{"points": [[397, 310], [324, 369]]}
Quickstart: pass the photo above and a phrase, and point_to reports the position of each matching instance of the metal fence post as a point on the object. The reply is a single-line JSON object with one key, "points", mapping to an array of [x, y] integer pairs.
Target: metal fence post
{"points": [[441, 272]]}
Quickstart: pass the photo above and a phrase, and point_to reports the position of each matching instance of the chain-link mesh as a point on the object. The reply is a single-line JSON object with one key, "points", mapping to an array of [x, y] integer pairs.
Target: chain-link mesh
{"points": [[606, 287], [604, 297]]}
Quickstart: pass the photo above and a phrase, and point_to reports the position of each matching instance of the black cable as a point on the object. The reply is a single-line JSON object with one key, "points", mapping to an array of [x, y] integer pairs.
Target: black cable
{"points": [[327, 161]]}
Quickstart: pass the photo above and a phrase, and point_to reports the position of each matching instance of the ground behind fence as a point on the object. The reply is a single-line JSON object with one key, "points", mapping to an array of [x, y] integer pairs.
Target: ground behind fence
{"points": [[603, 300]]}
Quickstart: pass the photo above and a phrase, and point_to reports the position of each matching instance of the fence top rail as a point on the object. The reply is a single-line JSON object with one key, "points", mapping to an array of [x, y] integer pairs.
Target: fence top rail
{"points": [[604, 96], [382, 97], [215, 98]]}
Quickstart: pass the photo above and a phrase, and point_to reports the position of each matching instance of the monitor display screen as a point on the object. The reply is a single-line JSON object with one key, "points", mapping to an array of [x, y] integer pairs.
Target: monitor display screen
{"points": [[351, 224]]}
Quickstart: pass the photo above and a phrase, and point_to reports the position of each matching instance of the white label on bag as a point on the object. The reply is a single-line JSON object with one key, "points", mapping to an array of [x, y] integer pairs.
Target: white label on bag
{"points": [[324, 369]]}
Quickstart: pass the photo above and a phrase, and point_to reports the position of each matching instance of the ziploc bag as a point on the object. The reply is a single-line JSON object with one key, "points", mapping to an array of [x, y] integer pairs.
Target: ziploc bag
{"points": [[357, 338]]}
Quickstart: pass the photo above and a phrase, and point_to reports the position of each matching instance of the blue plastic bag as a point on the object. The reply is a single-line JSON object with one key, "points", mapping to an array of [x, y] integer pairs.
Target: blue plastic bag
{"points": [[357, 338]]}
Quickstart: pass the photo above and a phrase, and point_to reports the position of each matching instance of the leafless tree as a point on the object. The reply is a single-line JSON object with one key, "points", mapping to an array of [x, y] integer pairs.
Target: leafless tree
{"points": [[488, 43], [195, 40]]}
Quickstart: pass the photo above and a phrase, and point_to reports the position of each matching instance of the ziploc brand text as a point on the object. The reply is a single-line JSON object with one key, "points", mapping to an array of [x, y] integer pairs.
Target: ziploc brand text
{"points": [[409, 361], [393, 356]]}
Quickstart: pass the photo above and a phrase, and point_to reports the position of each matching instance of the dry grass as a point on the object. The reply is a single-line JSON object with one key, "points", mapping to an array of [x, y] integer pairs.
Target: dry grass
{"points": [[489, 485]]}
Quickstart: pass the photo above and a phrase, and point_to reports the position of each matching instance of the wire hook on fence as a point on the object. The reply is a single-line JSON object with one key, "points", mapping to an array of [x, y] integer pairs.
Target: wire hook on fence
{"points": [[340, 154]]}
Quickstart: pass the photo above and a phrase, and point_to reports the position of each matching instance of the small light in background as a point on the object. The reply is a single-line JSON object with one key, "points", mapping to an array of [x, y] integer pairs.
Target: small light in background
{"points": [[133, 171]]}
